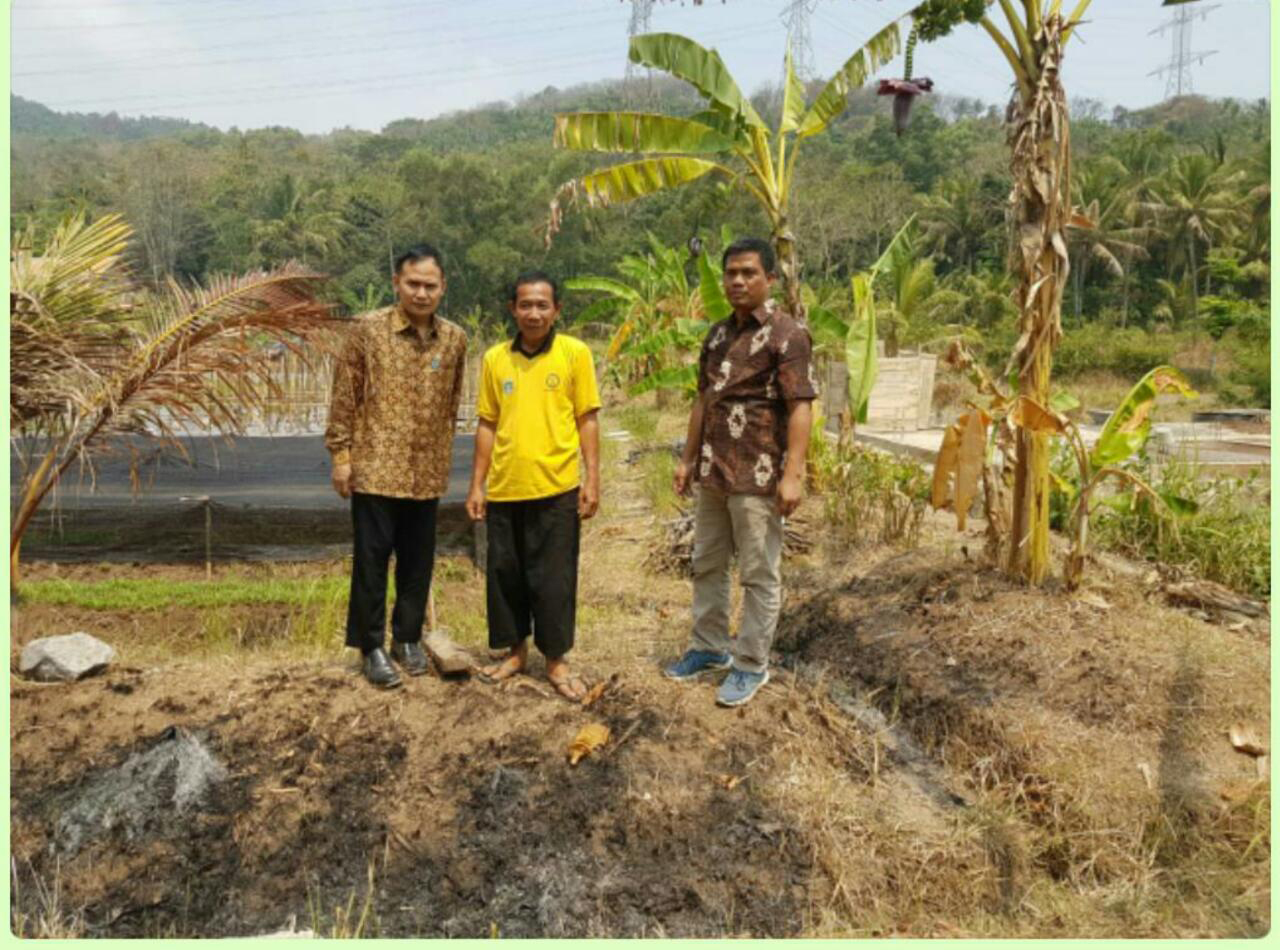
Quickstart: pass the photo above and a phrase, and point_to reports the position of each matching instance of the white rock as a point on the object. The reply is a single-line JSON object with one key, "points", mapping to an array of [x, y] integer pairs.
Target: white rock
{"points": [[71, 656]]}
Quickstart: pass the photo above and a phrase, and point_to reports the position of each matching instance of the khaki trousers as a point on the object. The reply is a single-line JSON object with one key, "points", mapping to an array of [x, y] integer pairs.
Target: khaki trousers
{"points": [[751, 526]]}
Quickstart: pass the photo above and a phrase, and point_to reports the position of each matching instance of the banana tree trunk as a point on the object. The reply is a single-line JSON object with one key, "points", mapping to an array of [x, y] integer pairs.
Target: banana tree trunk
{"points": [[1039, 203], [784, 245]]}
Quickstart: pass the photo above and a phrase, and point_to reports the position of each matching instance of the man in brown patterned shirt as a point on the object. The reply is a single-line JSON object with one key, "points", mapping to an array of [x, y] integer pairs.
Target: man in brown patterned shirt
{"points": [[748, 434], [392, 416]]}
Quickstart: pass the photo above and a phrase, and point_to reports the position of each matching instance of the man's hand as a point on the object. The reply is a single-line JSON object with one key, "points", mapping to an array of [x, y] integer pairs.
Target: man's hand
{"points": [[790, 491], [588, 499], [682, 480], [341, 478], [476, 503]]}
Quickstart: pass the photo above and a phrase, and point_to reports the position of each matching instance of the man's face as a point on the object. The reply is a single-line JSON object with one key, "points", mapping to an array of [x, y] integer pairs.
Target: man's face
{"points": [[745, 283], [535, 310], [419, 288]]}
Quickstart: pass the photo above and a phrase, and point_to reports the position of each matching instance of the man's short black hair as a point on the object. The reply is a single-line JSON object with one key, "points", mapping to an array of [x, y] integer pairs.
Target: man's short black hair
{"points": [[535, 277], [419, 252], [751, 245]]}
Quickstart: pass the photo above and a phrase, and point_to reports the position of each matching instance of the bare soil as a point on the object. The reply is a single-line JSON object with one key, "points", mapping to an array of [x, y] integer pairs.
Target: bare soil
{"points": [[941, 752]]}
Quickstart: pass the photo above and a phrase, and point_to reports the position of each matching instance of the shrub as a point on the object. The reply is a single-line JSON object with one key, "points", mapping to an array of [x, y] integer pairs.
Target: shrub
{"points": [[1130, 352], [1226, 539], [870, 494]]}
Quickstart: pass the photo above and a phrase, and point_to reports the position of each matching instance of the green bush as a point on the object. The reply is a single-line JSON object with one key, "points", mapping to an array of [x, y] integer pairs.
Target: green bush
{"points": [[870, 494], [1227, 539], [1130, 352]]}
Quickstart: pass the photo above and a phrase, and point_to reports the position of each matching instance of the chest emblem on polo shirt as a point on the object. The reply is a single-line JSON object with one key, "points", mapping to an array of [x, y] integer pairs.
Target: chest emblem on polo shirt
{"points": [[552, 380], [508, 387]]}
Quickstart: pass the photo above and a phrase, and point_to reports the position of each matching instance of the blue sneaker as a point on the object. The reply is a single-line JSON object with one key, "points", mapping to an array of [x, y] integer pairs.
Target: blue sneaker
{"points": [[695, 663], [739, 686]]}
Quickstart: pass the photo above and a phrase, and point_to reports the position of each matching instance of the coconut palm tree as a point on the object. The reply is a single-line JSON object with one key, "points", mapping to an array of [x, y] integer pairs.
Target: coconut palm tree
{"points": [[295, 227], [1195, 203], [91, 358], [729, 139], [957, 222], [1102, 232]]}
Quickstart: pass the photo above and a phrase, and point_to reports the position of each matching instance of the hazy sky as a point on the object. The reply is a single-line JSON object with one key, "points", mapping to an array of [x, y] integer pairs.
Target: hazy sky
{"points": [[316, 65]]}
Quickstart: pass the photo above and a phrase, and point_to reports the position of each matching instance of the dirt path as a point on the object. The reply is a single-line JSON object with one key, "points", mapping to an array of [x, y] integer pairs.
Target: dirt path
{"points": [[939, 753]]}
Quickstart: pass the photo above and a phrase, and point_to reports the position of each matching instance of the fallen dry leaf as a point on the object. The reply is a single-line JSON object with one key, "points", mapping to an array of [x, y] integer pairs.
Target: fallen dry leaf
{"points": [[730, 782], [1146, 774], [599, 690], [589, 738], [1263, 764], [1092, 600], [1244, 739]]}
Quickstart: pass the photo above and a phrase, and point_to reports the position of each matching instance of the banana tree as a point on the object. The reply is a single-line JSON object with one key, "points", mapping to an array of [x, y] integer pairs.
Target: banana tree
{"points": [[728, 139], [660, 316]]}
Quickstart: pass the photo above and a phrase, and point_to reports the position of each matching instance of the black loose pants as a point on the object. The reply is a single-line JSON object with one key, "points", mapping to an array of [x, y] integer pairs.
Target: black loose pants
{"points": [[532, 572], [382, 525]]}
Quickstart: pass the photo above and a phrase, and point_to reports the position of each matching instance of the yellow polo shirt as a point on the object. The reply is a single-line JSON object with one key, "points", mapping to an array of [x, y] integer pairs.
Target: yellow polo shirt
{"points": [[534, 404]]}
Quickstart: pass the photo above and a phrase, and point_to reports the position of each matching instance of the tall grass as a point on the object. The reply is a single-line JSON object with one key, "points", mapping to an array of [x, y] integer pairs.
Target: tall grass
{"points": [[1227, 539]]}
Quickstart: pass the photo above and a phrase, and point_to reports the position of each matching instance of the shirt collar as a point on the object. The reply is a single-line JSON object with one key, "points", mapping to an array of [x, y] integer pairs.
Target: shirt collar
{"points": [[542, 347], [400, 323], [761, 314]]}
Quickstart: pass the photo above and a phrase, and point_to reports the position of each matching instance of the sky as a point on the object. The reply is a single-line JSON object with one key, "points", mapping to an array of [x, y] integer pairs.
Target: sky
{"points": [[317, 65]]}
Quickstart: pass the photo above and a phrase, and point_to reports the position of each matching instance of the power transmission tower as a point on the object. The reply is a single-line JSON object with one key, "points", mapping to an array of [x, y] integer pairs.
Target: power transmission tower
{"points": [[641, 14], [1178, 69], [796, 16]]}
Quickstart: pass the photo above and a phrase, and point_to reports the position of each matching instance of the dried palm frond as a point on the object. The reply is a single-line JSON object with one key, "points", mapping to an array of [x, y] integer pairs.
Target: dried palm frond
{"points": [[89, 360]]}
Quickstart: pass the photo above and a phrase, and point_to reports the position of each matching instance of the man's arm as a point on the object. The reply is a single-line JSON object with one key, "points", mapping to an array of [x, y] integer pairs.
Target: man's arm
{"points": [[344, 401], [682, 482], [485, 433], [589, 439], [791, 485]]}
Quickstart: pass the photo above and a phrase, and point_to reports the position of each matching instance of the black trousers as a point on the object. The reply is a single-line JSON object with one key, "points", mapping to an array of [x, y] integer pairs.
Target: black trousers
{"points": [[382, 525], [531, 582]]}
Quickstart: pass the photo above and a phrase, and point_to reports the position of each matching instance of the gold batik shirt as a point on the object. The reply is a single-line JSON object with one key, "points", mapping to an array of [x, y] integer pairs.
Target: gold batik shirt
{"points": [[394, 405]]}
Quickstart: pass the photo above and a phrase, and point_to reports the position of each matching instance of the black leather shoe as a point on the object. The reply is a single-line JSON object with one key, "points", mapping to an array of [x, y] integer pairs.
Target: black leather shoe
{"points": [[410, 657], [379, 671]]}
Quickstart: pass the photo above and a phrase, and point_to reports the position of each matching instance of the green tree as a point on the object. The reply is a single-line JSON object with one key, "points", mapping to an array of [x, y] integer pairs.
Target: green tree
{"points": [[1195, 203], [729, 139]]}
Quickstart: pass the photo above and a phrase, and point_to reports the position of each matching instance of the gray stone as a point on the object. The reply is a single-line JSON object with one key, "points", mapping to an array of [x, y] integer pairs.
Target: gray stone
{"points": [[147, 794], [71, 656]]}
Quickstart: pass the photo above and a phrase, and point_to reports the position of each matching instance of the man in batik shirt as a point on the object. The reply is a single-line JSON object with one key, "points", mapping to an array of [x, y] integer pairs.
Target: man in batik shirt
{"points": [[392, 417], [748, 434]]}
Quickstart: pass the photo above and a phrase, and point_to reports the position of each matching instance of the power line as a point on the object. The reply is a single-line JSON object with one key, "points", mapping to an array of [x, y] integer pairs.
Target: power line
{"points": [[1178, 80], [421, 7], [375, 84], [148, 65]]}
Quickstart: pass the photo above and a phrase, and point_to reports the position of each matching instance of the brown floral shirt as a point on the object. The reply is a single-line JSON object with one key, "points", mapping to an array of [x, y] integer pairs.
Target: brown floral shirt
{"points": [[394, 405], [746, 376]]}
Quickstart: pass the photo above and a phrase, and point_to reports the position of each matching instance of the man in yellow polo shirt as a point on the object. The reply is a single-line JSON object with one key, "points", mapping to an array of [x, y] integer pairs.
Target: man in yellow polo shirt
{"points": [[537, 406]]}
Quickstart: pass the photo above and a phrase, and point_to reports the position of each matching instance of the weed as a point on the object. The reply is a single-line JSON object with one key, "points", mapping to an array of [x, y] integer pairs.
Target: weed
{"points": [[1227, 538], [344, 923], [41, 913], [871, 494]]}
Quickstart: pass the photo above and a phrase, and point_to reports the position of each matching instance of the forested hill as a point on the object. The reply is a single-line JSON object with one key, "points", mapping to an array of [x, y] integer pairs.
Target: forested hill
{"points": [[478, 183], [31, 118]]}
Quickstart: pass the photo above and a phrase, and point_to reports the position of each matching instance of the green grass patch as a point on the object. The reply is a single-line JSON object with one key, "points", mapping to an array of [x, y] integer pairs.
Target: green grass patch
{"points": [[145, 593]]}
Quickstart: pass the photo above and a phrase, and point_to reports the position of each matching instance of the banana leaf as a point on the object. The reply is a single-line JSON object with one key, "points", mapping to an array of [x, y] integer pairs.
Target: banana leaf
{"points": [[792, 98], [700, 67], [636, 132], [599, 310], [852, 75], [711, 289], [860, 348], [673, 377], [1129, 426], [631, 180], [604, 285], [825, 325]]}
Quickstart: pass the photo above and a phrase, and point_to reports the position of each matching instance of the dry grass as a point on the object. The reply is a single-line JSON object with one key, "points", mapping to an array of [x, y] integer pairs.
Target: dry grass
{"points": [[941, 753]]}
